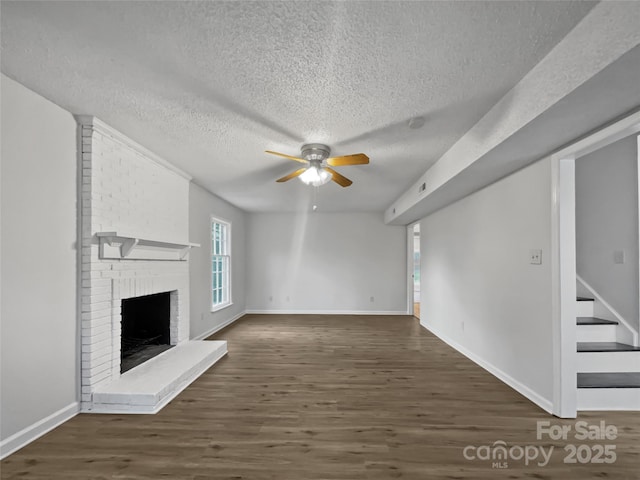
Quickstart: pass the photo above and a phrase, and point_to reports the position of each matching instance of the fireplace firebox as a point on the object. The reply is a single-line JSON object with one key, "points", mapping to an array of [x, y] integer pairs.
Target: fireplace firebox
{"points": [[145, 329]]}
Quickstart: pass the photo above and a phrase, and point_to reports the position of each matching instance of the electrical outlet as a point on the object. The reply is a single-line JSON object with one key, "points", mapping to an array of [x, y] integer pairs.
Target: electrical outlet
{"points": [[271, 298], [462, 326], [371, 299], [618, 257], [535, 257], [288, 299]]}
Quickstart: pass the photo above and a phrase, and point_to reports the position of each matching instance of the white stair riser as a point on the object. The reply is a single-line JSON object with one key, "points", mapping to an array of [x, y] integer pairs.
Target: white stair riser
{"points": [[584, 309], [609, 399], [596, 333], [608, 362]]}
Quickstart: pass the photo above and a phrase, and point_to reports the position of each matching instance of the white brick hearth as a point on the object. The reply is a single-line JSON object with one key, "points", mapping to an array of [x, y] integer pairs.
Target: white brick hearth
{"points": [[150, 386], [127, 188]]}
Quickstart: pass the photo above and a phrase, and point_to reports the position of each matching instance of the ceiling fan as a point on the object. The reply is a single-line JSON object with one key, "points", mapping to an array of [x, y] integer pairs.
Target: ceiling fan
{"points": [[317, 170]]}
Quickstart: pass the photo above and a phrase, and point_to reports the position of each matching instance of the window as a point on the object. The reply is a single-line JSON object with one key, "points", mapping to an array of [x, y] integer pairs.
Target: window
{"points": [[220, 264]]}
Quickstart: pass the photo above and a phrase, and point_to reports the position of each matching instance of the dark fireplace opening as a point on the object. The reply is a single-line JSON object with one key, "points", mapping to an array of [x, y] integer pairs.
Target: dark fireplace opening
{"points": [[145, 329]]}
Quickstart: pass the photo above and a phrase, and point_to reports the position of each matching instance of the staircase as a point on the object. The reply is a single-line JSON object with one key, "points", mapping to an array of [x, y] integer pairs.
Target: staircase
{"points": [[608, 369]]}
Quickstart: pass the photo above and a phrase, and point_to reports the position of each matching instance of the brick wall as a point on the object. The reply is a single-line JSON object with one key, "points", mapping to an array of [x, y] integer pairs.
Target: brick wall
{"points": [[126, 189]]}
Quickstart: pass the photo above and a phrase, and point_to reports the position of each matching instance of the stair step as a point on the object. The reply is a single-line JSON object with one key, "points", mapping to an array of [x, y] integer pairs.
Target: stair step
{"points": [[596, 332], [608, 399], [610, 361], [606, 347], [594, 321], [585, 307], [609, 380]]}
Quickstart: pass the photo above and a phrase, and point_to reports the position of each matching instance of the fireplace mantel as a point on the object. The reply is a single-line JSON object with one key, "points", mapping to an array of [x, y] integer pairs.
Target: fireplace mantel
{"points": [[118, 245]]}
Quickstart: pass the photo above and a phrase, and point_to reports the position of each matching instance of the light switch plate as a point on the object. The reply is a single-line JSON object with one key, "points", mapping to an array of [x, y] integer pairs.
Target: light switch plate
{"points": [[535, 257]]}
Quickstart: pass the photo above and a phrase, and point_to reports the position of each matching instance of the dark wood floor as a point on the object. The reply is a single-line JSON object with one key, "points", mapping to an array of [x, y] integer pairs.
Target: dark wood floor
{"points": [[323, 397]]}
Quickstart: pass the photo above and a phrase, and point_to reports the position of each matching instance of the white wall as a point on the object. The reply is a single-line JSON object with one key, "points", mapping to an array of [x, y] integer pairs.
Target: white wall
{"points": [[606, 221], [479, 291], [202, 205], [326, 262], [38, 327]]}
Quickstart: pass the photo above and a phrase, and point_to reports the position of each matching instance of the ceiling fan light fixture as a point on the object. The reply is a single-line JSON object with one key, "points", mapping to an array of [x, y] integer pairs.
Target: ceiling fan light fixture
{"points": [[319, 171], [315, 176]]}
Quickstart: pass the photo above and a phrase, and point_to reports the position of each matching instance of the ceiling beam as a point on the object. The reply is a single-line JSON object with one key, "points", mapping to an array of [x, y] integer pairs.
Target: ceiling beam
{"points": [[604, 35]]}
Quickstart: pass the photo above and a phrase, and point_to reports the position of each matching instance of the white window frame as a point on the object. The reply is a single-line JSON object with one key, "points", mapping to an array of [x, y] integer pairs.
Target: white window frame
{"points": [[225, 255]]}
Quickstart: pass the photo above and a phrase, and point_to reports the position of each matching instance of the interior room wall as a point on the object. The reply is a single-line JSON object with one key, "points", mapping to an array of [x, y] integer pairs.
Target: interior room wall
{"points": [[203, 205], [607, 222], [38, 296], [326, 262], [479, 291]]}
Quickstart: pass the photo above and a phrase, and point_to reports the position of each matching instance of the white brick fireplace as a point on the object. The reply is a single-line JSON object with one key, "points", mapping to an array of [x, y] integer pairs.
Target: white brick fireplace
{"points": [[134, 243]]}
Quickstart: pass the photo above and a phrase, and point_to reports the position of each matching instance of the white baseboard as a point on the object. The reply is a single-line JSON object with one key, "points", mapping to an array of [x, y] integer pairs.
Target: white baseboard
{"points": [[326, 312], [542, 402], [27, 435], [217, 328]]}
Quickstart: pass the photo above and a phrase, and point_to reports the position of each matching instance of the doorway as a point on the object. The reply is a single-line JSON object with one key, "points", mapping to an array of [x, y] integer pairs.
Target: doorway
{"points": [[563, 259]]}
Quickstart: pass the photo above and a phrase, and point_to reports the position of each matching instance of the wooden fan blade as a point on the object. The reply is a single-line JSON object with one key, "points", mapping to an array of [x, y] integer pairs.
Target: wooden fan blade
{"points": [[301, 160], [291, 175], [356, 159], [339, 179]]}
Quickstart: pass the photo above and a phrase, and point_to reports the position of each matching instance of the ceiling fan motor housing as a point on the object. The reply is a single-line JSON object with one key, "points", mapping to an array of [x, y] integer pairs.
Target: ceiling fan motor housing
{"points": [[315, 152]]}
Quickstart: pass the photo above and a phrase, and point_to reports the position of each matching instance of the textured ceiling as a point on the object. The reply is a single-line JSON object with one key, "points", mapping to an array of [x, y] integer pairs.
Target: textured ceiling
{"points": [[211, 85]]}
